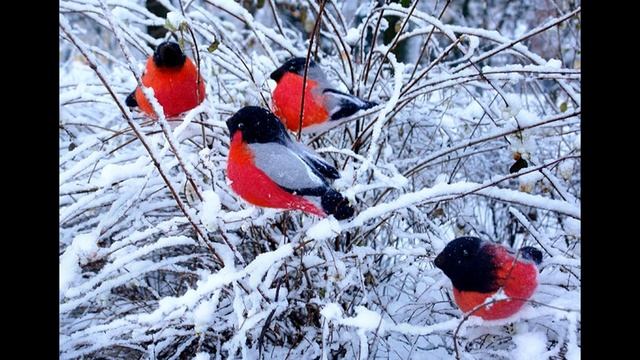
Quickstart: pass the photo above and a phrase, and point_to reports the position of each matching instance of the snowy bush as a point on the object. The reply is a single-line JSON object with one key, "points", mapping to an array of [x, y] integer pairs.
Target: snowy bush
{"points": [[159, 259]]}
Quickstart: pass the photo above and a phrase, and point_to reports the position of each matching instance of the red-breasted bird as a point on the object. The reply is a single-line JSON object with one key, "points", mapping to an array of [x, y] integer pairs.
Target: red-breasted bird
{"points": [[478, 269], [267, 168], [174, 80], [323, 105]]}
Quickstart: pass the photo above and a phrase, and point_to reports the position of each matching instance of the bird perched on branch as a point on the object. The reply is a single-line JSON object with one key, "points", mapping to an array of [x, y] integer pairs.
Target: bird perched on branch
{"points": [[479, 269], [267, 168], [175, 81], [323, 105]]}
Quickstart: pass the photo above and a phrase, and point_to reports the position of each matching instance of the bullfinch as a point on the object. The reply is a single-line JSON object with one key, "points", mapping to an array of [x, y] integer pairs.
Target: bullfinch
{"points": [[478, 269], [267, 168], [174, 80], [323, 105]]}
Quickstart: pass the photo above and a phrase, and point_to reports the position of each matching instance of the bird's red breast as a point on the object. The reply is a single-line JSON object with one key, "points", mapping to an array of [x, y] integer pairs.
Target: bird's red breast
{"points": [[287, 98], [518, 280], [254, 186], [177, 90]]}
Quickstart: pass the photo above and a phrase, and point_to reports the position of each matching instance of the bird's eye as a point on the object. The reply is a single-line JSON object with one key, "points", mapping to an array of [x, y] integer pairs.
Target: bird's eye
{"points": [[240, 126]]}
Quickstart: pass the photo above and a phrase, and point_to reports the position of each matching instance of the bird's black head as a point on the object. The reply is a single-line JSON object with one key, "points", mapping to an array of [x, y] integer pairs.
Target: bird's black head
{"points": [[257, 125], [531, 253], [169, 55], [469, 264], [294, 65]]}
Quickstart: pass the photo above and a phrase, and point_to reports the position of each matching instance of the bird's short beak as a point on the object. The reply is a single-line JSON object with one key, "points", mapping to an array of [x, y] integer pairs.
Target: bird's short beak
{"points": [[439, 261], [276, 75]]}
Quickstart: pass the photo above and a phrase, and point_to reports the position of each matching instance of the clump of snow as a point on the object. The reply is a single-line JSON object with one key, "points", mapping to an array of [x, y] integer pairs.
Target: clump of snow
{"points": [[566, 169], [261, 264], [175, 20], [202, 356], [384, 24], [512, 106], [112, 173], [530, 346], [210, 210], [352, 37], [554, 63], [441, 179], [524, 144], [82, 249], [365, 319], [326, 228], [69, 271], [122, 13], [572, 226], [473, 110], [527, 118], [86, 246], [203, 316], [493, 299], [331, 311], [528, 181], [449, 122]]}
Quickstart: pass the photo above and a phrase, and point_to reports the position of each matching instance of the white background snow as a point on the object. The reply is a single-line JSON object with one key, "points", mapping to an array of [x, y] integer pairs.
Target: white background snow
{"points": [[166, 262]]}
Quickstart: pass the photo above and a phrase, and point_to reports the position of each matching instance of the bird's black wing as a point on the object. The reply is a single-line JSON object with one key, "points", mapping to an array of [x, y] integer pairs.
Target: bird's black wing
{"points": [[342, 105], [314, 160]]}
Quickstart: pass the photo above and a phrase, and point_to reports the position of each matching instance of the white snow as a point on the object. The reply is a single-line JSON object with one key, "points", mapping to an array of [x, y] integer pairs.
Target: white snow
{"points": [[554, 63], [352, 37], [202, 356], [210, 210], [82, 250], [331, 311], [566, 169], [441, 179], [572, 226], [112, 173], [122, 13], [473, 110], [530, 346], [440, 190], [529, 180], [576, 143], [432, 166], [203, 314], [261, 264], [365, 319], [175, 19], [527, 118], [326, 228], [512, 106]]}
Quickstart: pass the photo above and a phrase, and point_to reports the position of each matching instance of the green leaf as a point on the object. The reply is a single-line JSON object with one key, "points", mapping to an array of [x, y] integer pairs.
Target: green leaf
{"points": [[213, 46], [563, 107]]}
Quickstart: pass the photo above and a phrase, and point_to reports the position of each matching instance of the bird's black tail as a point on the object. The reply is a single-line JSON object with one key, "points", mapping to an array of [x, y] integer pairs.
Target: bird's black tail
{"points": [[531, 253], [131, 99], [333, 203], [368, 104], [348, 104]]}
